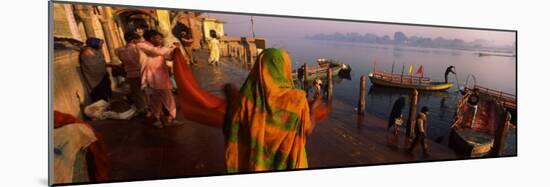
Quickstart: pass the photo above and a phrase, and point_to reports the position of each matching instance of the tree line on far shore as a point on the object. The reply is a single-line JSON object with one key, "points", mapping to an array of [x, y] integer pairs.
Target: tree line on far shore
{"points": [[400, 38]]}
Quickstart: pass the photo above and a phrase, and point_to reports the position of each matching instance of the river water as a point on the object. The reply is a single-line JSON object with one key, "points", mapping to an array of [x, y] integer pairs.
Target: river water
{"points": [[496, 72]]}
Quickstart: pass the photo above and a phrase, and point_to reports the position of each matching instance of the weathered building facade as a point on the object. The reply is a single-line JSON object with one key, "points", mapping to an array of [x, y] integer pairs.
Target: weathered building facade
{"points": [[74, 23], [212, 24]]}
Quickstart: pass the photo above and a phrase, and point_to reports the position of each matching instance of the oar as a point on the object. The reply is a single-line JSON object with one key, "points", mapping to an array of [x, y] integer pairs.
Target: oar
{"points": [[457, 83], [457, 86]]}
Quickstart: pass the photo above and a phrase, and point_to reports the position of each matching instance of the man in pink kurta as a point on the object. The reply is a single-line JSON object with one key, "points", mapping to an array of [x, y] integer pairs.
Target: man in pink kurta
{"points": [[155, 79], [129, 55]]}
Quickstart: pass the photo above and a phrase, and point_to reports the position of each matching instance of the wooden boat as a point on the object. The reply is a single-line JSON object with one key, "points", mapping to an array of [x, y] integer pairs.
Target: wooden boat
{"points": [[473, 133], [470, 142], [388, 91], [323, 62], [406, 81], [320, 72]]}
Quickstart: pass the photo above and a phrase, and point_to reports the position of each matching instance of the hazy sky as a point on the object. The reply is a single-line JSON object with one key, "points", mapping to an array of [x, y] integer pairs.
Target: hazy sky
{"points": [[239, 25]]}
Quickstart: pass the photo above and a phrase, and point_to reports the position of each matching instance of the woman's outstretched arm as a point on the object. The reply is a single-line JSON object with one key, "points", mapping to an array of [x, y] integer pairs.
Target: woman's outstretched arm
{"points": [[205, 108], [196, 104], [318, 112]]}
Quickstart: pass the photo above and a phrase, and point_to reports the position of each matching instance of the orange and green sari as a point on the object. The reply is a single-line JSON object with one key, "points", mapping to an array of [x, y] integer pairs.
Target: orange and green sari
{"points": [[267, 127]]}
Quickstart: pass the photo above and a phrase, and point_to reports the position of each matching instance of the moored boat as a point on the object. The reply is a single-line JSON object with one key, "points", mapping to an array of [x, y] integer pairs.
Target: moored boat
{"points": [[481, 112], [320, 72], [323, 62], [407, 81]]}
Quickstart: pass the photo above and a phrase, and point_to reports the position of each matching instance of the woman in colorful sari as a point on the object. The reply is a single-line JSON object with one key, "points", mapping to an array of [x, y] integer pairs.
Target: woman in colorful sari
{"points": [[267, 127], [266, 123]]}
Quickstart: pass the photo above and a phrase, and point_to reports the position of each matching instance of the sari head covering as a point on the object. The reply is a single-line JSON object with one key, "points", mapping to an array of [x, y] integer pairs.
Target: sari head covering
{"points": [[396, 111], [266, 129], [94, 42]]}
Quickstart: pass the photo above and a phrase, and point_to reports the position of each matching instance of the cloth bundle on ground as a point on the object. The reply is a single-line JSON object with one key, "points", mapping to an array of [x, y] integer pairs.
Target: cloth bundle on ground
{"points": [[72, 135], [99, 111]]}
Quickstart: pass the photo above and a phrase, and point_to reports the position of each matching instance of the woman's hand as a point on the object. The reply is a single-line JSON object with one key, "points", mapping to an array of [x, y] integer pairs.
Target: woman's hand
{"points": [[317, 112]]}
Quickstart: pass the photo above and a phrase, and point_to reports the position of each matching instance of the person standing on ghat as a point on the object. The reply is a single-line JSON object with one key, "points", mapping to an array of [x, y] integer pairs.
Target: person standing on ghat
{"points": [[420, 131], [396, 115], [129, 56], [214, 46], [94, 70], [155, 79]]}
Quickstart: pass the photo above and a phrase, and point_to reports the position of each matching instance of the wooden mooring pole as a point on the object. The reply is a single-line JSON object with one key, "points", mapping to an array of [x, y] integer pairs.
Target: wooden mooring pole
{"points": [[412, 114], [362, 97], [329, 84], [501, 134], [305, 77]]}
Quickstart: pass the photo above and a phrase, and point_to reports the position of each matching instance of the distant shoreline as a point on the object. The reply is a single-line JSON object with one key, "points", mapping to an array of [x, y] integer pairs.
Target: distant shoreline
{"points": [[484, 52]]}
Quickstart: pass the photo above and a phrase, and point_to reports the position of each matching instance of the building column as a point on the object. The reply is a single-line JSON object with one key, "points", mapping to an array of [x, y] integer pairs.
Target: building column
{"points": [[110, 32], [196, 29], [121, 32], [85, 13]]}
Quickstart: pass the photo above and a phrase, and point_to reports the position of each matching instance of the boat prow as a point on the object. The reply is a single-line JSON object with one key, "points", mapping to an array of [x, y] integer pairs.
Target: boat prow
{"points": [[470, 142]]}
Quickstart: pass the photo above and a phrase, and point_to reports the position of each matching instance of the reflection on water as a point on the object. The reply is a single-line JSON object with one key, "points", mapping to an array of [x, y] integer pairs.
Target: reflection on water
{"points": [[360, 120], [492, 71], [217, 72]]}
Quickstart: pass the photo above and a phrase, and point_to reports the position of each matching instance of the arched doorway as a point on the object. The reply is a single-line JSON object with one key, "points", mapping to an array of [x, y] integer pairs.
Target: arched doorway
{"points": [[134, 19]]}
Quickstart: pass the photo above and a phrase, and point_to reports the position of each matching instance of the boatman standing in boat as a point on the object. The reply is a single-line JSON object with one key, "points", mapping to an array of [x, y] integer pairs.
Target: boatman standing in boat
{"points": [[449, 70]]}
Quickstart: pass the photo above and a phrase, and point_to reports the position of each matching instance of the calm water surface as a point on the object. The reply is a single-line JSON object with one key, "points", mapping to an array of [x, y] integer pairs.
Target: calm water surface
{"points": [[496, 72]]}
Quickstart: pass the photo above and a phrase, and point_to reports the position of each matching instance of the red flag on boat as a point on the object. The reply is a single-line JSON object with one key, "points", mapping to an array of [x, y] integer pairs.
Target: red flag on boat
{"points": [[420, 70]]}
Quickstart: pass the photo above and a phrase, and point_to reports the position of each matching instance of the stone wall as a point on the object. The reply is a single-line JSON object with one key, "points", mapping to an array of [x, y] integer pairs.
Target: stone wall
{"points": [[65, 25], [68, 82]]}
